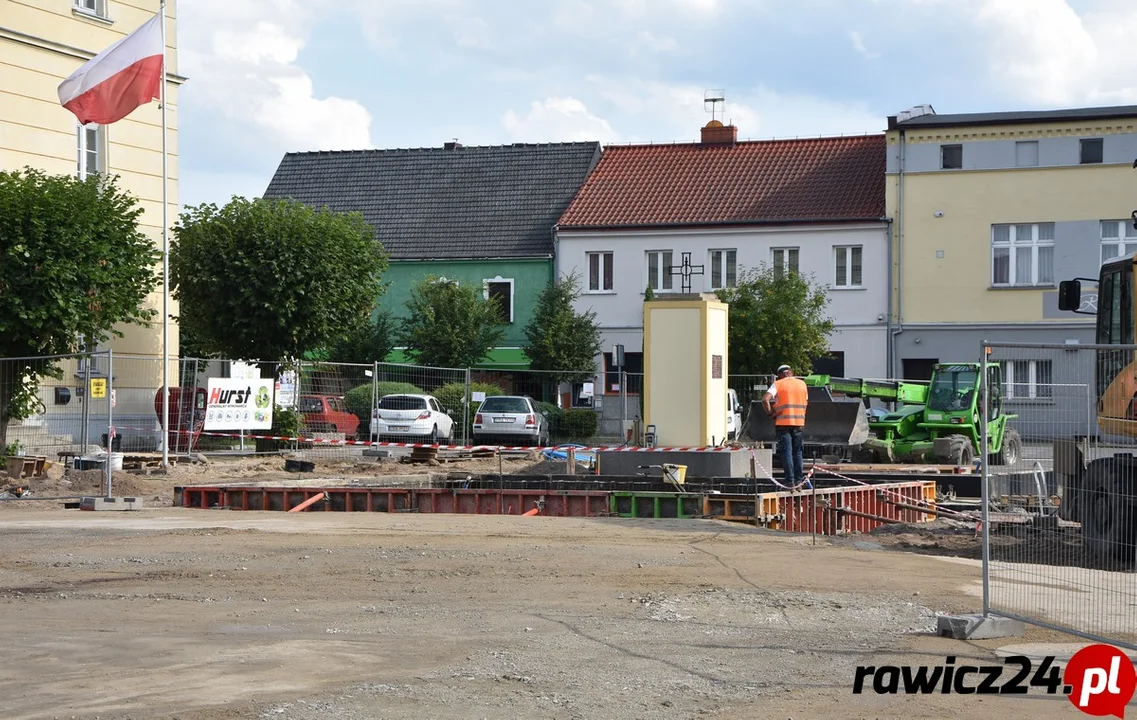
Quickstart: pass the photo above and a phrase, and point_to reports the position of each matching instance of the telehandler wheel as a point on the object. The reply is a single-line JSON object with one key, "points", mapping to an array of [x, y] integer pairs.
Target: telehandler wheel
{"points": [[1012, 448], [1109, 510], [962, 452]]}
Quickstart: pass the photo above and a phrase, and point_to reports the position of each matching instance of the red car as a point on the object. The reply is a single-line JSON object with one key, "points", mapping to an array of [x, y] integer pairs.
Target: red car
{"points": [[326, 413]]}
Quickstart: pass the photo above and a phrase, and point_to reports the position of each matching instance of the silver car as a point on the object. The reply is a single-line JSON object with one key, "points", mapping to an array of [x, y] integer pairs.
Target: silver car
{"points": [[511, 420]]}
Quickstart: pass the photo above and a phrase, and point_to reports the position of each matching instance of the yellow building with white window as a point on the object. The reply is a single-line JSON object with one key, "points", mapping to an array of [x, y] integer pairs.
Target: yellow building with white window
{"points": [[41, 43], [989, 212]]}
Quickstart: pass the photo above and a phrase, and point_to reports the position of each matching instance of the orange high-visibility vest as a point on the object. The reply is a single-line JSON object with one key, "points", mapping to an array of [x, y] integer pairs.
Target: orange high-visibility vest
{"points": [[789, 405]]}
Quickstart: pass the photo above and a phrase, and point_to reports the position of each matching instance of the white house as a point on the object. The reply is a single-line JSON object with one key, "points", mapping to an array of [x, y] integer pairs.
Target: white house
{"points": [[814, 205]]}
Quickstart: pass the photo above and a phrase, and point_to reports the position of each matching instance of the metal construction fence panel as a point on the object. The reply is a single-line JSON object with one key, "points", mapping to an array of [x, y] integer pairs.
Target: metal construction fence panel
{"points": [[75, 402], [1058, 439], [55, 404], [452, 387], [749, 388], [54, 409]]}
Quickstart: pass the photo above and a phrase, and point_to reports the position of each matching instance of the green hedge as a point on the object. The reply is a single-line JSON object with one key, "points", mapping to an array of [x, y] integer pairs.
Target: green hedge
{"points": [[556, 418], [579, 424], [286, 422], [358, 402], [451, 394], [398, 388]]}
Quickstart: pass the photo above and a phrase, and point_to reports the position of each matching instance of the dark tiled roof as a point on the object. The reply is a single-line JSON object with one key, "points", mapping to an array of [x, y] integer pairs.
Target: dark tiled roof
{"points": [[464, 202], [932, 120], [774, 181]]}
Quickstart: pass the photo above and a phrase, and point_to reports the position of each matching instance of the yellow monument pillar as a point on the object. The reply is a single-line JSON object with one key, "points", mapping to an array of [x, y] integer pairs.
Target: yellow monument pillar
{"points": [[685, 369]]}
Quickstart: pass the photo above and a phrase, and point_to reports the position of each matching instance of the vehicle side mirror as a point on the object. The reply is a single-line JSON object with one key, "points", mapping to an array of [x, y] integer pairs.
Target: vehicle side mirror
{"points": [[1069, 295]]}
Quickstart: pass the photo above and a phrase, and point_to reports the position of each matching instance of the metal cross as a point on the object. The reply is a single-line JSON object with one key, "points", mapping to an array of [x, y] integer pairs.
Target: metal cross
{"points": [[685, 270]]}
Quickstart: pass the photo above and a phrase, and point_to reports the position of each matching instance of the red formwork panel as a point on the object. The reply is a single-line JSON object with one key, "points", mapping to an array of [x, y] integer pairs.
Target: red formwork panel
{"points": [[489, 501], [882, 503], [848, 509], [825, 511], [286, 498]]}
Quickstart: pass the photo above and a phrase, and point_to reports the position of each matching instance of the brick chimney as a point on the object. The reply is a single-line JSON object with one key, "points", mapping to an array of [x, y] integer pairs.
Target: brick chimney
{"points": [[452, 145], [715, 133]]}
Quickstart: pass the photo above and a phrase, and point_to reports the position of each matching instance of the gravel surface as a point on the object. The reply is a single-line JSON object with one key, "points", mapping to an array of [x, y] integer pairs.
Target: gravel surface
{"points": [[209, 615]]}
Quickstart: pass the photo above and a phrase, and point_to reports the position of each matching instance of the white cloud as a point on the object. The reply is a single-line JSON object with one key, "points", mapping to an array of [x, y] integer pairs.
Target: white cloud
{"points": [[859, 45], [1046, 53], [241, 60], [558, 119], [1041, 48]]}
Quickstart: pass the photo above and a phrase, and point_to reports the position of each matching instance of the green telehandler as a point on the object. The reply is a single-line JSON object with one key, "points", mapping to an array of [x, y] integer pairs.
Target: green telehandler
{"points": [[938, 421]]}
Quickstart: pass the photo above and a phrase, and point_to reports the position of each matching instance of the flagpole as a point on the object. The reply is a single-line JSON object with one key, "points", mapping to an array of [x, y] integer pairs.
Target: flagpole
{"points": [[165, 261]]}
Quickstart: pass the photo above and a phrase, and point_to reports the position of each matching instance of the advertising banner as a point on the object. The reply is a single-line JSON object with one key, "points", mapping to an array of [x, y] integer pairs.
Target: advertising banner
{"points": [[238, 404]]}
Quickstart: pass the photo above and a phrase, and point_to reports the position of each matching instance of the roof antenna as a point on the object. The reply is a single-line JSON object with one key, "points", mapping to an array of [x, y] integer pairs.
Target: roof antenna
{"points": [[716, 100]]}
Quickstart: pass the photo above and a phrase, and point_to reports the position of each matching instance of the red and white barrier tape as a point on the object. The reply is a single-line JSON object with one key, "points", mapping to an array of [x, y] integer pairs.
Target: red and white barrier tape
{"points": [[374, 443]]}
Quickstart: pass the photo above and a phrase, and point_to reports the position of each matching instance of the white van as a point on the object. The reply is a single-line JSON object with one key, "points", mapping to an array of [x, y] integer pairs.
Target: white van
{"points": [[733, 415]]}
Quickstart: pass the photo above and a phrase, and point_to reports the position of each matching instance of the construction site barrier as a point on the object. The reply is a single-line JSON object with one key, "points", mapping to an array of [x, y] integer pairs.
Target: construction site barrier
{"points": [[1058, 446]]}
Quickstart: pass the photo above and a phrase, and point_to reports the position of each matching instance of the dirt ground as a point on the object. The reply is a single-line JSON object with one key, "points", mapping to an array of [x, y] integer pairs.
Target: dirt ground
{"points": [[212, 614]]}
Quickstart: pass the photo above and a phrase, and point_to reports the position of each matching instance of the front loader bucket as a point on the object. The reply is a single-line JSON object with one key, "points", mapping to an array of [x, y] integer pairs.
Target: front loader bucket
{"points": [[827, 421]]}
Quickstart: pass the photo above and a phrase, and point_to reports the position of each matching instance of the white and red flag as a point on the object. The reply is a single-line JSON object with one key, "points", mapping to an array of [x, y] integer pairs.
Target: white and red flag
{"points": [[109, 86]]}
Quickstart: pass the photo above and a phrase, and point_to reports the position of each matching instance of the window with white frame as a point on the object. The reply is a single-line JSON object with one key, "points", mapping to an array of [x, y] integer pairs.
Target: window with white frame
{"points": [[659, 270], [1029, 380], [599, 271], [1118, 239], [847, 267], [92, 150], [724, 269], [1022, 255], [92, 7], [500, 289], [785, 260]]}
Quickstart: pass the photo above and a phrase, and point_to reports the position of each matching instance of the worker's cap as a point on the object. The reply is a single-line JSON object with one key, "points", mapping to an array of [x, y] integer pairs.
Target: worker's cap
{"points": [[783, 368]]}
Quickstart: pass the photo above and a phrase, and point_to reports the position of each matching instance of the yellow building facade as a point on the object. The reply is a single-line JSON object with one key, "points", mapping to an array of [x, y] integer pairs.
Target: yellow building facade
{"points": [[990, 211], [41, 43]]}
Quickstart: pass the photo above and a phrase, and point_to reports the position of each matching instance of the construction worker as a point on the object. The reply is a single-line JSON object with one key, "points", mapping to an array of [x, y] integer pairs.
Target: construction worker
{"points": [[785, 402]]}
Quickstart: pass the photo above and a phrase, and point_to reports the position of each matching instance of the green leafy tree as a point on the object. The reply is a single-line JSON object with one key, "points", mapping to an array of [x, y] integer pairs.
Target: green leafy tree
{"points": [[272, 280], [776, 318], [449, 324], [366, 341], [74, 268], [560, 339]]}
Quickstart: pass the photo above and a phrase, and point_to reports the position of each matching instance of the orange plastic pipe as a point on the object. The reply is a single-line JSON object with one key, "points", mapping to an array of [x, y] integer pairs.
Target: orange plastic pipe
{"points": [[534, 511], [309, 502]]}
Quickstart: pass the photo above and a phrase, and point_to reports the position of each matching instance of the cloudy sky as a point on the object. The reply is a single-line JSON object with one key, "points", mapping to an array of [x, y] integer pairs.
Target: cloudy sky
{"points": [[268, 77]]}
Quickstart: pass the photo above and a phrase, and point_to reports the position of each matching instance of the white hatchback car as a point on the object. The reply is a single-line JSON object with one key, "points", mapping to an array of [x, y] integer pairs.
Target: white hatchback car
{"points": [[411, 418]]}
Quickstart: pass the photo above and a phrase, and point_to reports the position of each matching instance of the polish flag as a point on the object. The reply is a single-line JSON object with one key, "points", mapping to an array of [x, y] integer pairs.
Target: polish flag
{"points": [[109, 86]]}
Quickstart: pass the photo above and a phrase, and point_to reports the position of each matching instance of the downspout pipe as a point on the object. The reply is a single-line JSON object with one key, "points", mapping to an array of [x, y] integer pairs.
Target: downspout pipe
{"points": [[888, 312], [554, 266], [899, 327]]}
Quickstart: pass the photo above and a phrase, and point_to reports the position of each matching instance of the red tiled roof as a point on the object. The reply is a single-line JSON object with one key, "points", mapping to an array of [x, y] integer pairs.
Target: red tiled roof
{"points": [[769, 181]]}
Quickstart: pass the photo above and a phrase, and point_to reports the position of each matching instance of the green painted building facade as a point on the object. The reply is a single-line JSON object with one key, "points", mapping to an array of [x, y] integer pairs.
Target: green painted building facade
{"points": [[524, 278]]}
